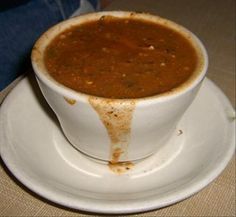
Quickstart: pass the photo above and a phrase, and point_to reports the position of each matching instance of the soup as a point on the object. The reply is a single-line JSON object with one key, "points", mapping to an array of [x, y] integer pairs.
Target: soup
{"points": [[120, 58]]}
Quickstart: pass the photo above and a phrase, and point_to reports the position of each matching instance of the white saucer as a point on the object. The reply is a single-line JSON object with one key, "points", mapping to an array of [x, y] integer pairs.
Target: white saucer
{"points": [[36, 152]]}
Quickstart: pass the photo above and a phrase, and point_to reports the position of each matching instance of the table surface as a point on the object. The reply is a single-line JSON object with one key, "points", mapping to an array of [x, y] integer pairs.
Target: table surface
{"points": [[213, 21]]}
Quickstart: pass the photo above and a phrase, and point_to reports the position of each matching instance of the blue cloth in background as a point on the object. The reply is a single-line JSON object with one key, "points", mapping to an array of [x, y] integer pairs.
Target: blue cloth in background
{"points": [[20, 27]]}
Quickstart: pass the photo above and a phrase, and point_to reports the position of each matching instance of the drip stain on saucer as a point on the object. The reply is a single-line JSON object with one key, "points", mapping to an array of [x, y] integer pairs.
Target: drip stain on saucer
{"points": [[116, 117], [120, 167], [70, 101], [180, 132]]}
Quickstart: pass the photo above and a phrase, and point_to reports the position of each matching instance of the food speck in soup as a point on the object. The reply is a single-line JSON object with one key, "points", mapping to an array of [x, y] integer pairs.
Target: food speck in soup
{"points": [[120, 58]]}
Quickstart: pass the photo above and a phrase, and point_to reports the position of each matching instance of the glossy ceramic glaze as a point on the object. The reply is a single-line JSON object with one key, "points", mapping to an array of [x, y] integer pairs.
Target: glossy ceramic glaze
{"points": [[34, 149], [117, 130]]}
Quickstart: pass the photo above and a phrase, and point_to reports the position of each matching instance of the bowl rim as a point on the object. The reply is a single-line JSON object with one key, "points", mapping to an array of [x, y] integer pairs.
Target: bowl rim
{"points": [[42, 74]]}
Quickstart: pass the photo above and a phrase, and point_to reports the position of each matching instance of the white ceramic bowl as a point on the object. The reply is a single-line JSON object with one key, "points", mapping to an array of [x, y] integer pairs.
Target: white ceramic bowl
{"points": [[117, 129]]}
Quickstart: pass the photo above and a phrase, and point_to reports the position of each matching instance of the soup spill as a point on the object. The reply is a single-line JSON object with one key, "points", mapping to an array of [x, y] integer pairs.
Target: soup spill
{"points": [[120, 167], [70, 101], [116, 117]]}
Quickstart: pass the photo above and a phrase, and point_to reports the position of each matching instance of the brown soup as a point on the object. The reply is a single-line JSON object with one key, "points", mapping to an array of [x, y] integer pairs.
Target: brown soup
{"points": [[120, 58]]}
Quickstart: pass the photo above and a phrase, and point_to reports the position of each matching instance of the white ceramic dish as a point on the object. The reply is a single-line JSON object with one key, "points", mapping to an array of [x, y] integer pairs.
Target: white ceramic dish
{"points": [[36, 152], [118, 129]]}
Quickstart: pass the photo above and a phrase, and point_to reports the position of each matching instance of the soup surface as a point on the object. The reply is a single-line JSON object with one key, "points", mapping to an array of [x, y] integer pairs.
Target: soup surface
{"points": [[120, 58]]}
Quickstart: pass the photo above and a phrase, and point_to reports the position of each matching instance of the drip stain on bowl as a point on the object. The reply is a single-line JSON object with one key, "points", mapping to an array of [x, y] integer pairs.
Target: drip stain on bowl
{"points": [[70, 101], [116, 116], [116, 155]]}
